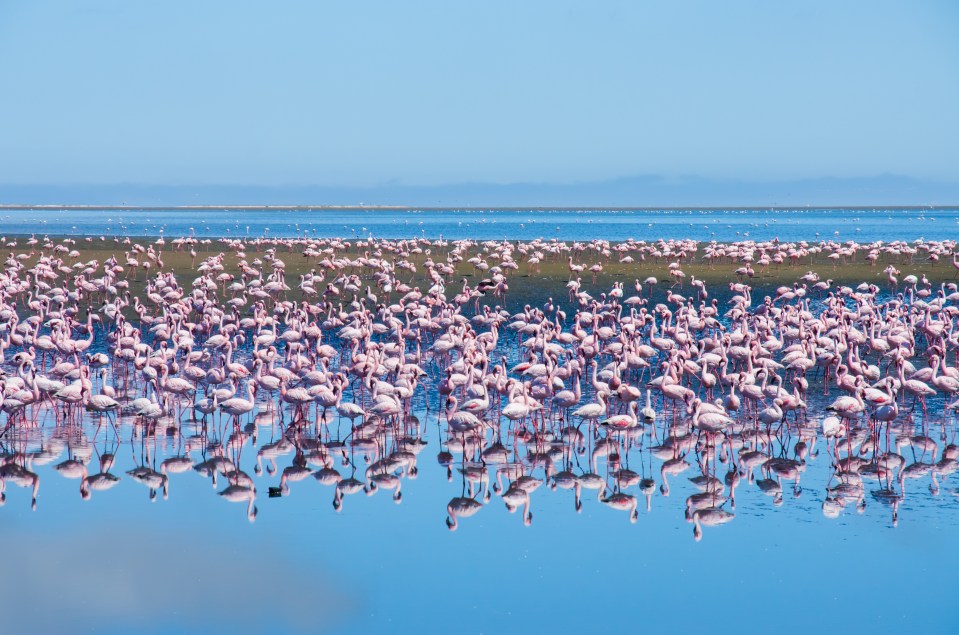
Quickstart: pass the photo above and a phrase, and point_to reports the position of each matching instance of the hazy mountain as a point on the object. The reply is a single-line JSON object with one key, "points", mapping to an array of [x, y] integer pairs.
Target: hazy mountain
{"points": [[638, 191]]}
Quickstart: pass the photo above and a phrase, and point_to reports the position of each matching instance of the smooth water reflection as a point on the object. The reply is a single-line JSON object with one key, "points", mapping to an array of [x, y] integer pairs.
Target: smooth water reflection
{"points": [[142, 517], [130, 555], [158, 542]]}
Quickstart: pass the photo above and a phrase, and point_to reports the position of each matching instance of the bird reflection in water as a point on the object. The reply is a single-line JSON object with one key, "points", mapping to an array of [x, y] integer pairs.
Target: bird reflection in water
{"points": [[376, 353]]}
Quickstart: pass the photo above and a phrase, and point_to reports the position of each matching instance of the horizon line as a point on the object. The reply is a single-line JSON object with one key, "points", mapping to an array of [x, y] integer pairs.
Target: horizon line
{"points": [[305, 207]]}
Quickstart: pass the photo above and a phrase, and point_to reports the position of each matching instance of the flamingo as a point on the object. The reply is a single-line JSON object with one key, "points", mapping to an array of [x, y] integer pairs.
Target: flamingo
{"points": [[236, 407]]}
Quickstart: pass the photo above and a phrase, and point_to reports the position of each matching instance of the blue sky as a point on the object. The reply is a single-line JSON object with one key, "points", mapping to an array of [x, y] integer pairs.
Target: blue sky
{"points": [[367, 93]]}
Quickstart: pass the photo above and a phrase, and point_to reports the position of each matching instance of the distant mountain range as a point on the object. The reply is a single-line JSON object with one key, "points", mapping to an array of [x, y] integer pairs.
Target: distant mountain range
{"points": [[637, 191]]}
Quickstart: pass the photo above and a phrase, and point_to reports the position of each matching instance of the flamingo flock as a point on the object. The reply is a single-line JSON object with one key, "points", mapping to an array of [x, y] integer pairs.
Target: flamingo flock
{"points": [[343, 374]]}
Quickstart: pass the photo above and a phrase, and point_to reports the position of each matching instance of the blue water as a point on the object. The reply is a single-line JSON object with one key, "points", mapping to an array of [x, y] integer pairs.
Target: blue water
{"points": [[191, 562], [718, 224], [124, 561]]}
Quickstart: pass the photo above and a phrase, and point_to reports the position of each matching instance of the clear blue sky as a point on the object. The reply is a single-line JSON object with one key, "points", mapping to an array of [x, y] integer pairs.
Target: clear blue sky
{"points": [[357, 93]]}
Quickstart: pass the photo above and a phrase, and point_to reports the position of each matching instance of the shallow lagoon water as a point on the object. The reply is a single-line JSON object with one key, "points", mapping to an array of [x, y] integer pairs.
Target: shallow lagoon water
{"points": [[191, 562], [701, 224]]}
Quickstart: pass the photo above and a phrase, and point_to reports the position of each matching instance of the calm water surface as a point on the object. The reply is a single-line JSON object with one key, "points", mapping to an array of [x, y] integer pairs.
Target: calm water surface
{"points": [[131, 559], [190, 561], [718, 224]]}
